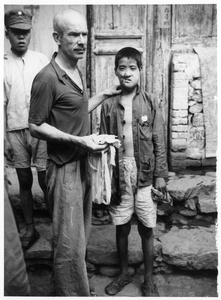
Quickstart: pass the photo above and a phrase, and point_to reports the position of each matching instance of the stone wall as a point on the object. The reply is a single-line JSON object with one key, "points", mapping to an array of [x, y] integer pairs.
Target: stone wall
{"points": [[186, 122]]}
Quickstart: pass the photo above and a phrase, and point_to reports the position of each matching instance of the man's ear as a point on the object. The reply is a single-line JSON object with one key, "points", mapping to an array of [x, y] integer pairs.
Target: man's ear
{"points": [[6, 34], [56, 37]]}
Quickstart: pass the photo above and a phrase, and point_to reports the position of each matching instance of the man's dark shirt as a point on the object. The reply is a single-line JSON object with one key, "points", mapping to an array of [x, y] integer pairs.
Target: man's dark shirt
{"points": [[58, 101]]}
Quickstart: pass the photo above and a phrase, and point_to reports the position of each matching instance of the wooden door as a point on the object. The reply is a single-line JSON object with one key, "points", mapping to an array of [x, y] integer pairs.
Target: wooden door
{"points": [[112, 28]]}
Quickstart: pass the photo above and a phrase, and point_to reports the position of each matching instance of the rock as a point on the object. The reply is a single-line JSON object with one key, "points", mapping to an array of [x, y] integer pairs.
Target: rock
{"points": [[42, 249], [198, 120], [164, 209], [188, 212], [101, 249], [104, 220], [113, 271], [207, 196], [190, 249], [212, 174], [196, 84], [194, 153], [184, 188], [190, 204], [178, 219], [196, 108]]}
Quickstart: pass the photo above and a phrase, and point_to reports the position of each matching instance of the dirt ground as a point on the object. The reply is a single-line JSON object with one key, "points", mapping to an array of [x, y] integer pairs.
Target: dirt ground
{"points": [[185, 284]]}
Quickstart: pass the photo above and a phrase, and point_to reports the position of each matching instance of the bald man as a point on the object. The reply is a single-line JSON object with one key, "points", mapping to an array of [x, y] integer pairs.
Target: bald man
{"points": [[59, 114]]}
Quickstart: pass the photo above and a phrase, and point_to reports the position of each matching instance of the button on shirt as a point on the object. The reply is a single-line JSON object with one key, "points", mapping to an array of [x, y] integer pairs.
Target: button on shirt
{"points": [[19, 73]]}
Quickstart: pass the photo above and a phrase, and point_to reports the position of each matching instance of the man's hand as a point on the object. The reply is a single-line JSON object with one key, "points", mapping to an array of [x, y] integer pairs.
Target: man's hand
{"points": [[113, 90], [89, 144], [160, 184], [8, 151]]}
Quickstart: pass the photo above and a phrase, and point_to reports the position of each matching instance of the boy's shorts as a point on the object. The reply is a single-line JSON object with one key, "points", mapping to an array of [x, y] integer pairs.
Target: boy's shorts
{"points": [[136, 199], [28, 151]]}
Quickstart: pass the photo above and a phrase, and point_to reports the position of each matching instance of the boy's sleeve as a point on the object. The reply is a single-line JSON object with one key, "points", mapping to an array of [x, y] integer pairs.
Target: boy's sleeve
{"points": [[161, 169]]}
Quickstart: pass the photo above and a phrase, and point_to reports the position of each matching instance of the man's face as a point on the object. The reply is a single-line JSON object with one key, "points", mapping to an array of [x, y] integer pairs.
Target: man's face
{"points": [[128, 73], [19, 39], [73, 41]]}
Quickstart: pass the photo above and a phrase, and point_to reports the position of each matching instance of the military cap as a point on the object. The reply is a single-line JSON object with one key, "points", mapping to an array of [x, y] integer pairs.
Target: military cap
{"points": [[18, 19]]}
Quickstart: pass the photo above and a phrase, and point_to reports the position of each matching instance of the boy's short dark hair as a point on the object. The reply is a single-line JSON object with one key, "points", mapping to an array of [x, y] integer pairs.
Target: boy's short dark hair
{"points": [[129, 52]]}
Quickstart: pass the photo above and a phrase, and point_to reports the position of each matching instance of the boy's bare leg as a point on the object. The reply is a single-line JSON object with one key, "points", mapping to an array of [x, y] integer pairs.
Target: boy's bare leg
{"points": [[148, 287], [122, 233], [147, 247], [43, 186], [25, 179]]}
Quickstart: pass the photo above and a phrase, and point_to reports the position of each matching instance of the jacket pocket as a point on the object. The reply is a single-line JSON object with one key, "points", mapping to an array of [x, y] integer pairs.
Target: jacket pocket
{"points": [[146, 169]]}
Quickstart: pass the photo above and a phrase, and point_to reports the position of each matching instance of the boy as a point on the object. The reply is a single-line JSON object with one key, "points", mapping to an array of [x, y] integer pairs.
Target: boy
{"points": [[134, 116], [20, 67]]}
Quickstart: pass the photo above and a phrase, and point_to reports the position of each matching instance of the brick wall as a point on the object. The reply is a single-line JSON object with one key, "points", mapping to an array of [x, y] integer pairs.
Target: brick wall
{"points": [[186, 125]]}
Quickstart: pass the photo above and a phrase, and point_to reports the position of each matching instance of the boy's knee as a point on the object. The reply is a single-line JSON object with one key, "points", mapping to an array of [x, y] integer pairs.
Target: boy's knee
{"points": [[144, 231], [123, 230]]}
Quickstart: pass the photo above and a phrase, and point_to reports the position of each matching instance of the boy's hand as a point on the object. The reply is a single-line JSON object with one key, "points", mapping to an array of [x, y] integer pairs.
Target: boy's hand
{"points": [[113, 90], [160, 184]]}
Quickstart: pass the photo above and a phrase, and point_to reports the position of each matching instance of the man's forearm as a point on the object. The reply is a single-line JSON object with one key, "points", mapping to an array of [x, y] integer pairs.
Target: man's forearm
{"points": [[95, 101], [52, 134]]}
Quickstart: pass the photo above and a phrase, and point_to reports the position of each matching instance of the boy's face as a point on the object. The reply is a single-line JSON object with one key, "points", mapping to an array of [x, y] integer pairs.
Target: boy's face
{"points": [[128, 73], [19, 39]]}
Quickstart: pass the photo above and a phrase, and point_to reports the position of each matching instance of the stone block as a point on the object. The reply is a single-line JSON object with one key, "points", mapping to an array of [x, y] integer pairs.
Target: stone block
{"points": [[196, 84], [192, 66], [196, 134], [178, 144], [191, 102], [179, 98], [196, 108], [179, 128], [179, 113], [179, 80], [194, 153], [178, 135], [211, 161], [207, 196], [185, 188], [178, 121], [198, 252], [197, 96], [198, 144], [193, 163], [197, 120], [177, 155], [190, 91], [176, 164]]}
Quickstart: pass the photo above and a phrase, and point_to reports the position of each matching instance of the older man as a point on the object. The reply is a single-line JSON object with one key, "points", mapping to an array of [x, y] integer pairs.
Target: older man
{"points": [[59, 114]]}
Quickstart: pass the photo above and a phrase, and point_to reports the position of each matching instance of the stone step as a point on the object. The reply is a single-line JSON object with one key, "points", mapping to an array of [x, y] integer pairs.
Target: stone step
{"points": [[197, 193], [188, 246], [198, 252]]}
